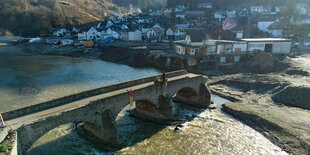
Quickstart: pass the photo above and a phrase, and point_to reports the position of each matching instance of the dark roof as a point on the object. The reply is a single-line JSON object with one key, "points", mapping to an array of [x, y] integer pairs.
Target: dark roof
{"points": [[197, 35], [267, 18], [277, 26]]}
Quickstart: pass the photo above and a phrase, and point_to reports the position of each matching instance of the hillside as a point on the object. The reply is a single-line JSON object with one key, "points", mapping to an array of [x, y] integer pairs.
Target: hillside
{"points": [[37, 17], [143, 4]]}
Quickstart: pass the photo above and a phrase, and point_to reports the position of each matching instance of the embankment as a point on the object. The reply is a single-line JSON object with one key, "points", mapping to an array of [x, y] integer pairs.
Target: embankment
{"points": [[271, 105], [294, 96]]}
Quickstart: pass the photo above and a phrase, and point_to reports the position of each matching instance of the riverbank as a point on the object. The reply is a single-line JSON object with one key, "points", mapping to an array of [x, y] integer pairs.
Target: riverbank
{"points": [[132, 55], [275, 104]]}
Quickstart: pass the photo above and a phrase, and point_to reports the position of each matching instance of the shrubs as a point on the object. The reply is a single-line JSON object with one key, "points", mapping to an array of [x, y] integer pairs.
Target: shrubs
{"points": [[4, 146]]}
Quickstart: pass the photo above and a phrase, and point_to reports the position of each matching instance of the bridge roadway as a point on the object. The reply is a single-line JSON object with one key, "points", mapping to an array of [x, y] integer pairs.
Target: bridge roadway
{"points": [[100, 111]]}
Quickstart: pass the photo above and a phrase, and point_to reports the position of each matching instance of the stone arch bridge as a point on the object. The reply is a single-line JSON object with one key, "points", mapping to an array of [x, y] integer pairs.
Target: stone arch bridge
{"points": [[98, 108]]}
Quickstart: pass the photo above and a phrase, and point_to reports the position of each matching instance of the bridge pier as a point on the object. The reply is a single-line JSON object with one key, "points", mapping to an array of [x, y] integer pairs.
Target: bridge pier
{"points": [[149, 111], [107, 133], [200, 99]]}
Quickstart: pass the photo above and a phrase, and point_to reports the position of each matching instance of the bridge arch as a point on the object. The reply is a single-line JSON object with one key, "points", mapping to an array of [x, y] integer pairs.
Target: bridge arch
{"points": [[28, 134], [198, 96], [186, 93], [145, 105]]}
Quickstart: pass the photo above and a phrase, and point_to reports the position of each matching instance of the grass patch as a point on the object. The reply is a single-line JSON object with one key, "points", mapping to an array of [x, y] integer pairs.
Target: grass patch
{"points": [[4, 146]]}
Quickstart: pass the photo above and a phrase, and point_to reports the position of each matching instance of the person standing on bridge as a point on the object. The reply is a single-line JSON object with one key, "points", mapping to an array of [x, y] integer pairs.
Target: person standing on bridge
{"points": [[2, 124], [164, 77]]}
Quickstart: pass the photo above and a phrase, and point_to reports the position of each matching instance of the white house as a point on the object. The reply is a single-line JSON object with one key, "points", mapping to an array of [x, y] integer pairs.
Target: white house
{"points": [[303, 20], [92, 33], [102, 34], [192, 44], [180, 15], [180, 8], [82, 36], [153, 13], [150, 34], [179, 33], [144, 31], [167, 11], [66, 42], [260, 9], [158, 26], [271, 45], [264, 23], [231, 13], [276, 29], [181, 26], [112, 33], [279, 9], [61, 32], [109, 24], [169, 32], [136, 35], [156, 32], [195, 13], [109, 31], [205, 6], [302, 8], [240, 47], [124, 27], [219, 15], [131, 35]]}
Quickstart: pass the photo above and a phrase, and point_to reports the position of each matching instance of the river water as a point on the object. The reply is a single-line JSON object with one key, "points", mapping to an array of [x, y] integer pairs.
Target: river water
{"points": [[30, 79]]}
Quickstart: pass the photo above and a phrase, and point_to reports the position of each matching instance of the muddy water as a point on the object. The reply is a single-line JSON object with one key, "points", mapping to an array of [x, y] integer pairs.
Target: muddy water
{"points": [[28, 79]]}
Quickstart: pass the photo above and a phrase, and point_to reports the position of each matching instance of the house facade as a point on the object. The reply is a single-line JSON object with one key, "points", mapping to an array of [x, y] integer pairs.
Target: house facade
{"points": [[260, 9], [131, 35], [192, 44], [269, 45], [264, 23], [276, 29], [204, 6]]}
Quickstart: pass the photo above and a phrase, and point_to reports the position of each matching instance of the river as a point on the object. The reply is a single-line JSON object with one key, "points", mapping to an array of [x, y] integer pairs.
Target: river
{"points": [[30, 79]]}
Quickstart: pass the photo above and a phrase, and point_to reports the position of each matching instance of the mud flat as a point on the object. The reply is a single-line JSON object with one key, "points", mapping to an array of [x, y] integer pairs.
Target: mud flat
{"points": [[275, 104]]}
